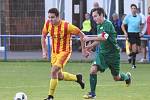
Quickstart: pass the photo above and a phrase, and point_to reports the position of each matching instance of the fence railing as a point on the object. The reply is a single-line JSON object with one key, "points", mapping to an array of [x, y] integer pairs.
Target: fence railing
{"points": [[4, 37], [4, 49]]}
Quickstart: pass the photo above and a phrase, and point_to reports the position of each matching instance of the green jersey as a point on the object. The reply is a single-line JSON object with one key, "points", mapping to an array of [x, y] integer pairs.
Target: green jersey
{"points": [[109, 56], [110, 45]]}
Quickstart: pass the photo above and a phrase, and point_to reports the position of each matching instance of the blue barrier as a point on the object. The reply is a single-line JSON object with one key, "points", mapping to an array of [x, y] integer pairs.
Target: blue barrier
{"points": [[24, 36], [119, 37], [49, 48]]}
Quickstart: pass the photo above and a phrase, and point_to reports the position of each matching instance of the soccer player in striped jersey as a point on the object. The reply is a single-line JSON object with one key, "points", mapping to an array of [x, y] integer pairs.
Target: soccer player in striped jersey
{"points": [[61, 48]]}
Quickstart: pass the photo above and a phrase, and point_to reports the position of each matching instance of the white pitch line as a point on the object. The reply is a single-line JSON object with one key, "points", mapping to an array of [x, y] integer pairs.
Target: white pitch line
{"points": [[8, 87], [122, 85]]}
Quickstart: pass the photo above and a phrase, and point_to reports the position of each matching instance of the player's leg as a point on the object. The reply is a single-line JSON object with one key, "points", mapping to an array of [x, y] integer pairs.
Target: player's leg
{"points": [[143, 49], [56, 60], [123, 77], [64, 57], [71, 77], [134, 40], [93, 83], [134, 52], [53, 82], [98, 65], [128, 51], [115, 70]]}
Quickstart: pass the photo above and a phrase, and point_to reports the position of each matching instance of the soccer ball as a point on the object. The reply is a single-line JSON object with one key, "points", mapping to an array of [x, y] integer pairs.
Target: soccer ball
{"points": [[20, 96]]}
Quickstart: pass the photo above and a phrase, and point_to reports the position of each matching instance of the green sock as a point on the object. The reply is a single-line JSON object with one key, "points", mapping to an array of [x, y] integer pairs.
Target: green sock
{"points": [[93, 82], [123, 76]]}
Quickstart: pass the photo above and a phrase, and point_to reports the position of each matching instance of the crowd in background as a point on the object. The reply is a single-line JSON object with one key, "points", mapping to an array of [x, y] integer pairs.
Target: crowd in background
{"points": [[89, 28]]}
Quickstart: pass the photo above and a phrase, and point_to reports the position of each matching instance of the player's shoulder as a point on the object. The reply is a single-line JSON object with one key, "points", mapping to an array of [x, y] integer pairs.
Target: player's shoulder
{"points": [[64, 21], [128, 16], [47, 24], [108, 22]]}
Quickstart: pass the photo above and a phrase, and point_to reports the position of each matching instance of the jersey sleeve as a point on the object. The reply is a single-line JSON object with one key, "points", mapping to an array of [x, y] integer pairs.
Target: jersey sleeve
{"points": [[72, 29], [110, 28], [125, 21], [45, 28]]}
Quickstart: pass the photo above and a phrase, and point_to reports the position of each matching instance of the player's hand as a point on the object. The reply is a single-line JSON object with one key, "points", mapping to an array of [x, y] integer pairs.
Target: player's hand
{"points": [[126, 36], [86, 38], [85, 53], [44, 55], [141, 35]]}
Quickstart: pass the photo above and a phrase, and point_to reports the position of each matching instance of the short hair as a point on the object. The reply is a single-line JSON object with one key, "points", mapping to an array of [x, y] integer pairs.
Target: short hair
{"points": [[96, 4], [54, 10], [114, 14], [99, 11], [133, 5]]}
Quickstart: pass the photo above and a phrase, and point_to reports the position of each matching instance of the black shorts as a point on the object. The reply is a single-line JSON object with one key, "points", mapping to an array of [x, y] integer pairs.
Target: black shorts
{"points": [[134, 38]]}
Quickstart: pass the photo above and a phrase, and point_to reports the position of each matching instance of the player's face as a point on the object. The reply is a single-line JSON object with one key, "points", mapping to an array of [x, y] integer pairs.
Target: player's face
{"points": [[133, 10], [53, 19], [149, 10], [98, 18]]}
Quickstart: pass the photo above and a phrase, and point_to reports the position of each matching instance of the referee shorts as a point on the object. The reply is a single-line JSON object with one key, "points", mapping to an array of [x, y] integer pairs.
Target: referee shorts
{"points": [[134, 38]]}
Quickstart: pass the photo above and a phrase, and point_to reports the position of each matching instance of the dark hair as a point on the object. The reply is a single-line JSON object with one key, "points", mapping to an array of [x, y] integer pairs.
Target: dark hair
{"points": [[133, 5], [54, 10], [99, 11]]}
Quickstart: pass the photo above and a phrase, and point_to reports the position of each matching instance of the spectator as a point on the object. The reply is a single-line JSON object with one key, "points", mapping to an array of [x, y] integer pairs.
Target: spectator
{"points": [[86, 25], [93, 23], [117, 22], [147, 28], [148, 22], [86, 28], [143, 42]]}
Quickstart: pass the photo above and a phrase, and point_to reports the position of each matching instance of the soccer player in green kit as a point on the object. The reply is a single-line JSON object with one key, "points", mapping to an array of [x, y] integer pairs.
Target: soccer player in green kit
{"points": [[109, 53]]}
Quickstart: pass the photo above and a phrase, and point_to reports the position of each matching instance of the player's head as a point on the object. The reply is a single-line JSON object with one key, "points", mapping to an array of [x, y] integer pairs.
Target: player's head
{"points": [[98, 15], [95, 5], [133, 8], [115, 16], [138, 10], [87, 16], [53, 15], [149, 10]]}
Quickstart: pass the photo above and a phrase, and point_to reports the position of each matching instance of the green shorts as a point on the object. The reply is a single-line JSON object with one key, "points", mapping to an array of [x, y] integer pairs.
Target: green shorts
{"points": [[111, 61]]}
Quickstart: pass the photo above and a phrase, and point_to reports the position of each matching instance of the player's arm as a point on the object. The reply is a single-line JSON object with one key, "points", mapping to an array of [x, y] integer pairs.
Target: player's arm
{"points": [[89, 47], [43, 42], [44, 47], [76, 31], [82, 35], [143, 27], [123, 26], [84, 52], [124, 30], [100, 37]]}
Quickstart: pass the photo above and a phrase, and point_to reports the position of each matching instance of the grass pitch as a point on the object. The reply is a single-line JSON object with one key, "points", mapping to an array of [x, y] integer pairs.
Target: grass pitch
{"points": [[33, 79]]}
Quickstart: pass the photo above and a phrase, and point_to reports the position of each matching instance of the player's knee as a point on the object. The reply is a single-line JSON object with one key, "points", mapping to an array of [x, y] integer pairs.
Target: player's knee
{"points": [[60, 76], [54, 71], [93, 70], [116, 78]]}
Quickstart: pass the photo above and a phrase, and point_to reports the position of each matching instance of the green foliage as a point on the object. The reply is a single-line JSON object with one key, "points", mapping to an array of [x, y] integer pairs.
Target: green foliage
{"points": [[33, 79]]}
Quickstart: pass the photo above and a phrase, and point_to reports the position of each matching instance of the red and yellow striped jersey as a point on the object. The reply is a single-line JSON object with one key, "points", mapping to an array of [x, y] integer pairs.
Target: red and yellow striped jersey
{"points": [[60, 35]]}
